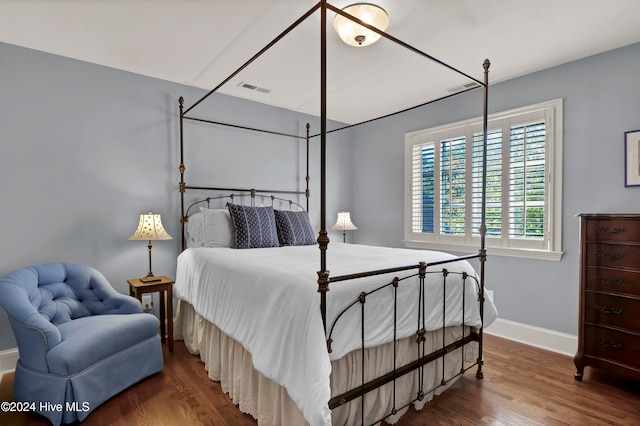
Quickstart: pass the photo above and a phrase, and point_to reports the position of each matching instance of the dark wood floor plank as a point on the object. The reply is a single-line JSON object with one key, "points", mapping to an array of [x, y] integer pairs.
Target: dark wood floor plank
{"points": [[522, 385]]}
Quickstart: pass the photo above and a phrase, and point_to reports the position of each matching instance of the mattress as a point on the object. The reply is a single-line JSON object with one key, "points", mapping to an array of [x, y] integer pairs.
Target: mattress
{"points": [[267, 301]]}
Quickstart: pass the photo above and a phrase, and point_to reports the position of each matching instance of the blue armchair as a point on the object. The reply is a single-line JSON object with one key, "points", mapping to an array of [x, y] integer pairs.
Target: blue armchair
{"points": [[80, 341]]}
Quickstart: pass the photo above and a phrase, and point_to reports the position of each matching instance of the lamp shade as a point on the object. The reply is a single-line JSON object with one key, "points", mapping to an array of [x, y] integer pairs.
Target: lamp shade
{"points": [[343, 223], [355, 34], [150, 228]]}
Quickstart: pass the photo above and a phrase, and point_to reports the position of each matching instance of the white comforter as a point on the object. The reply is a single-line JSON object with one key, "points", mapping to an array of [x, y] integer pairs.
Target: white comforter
{"points": [[267, 300]]}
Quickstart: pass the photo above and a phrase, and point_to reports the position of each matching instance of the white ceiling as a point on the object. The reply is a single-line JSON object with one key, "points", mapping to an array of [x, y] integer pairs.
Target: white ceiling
{"points": [[201, 42]]}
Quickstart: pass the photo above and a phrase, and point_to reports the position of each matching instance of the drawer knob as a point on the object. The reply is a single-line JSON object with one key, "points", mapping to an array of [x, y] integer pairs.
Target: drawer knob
{"points": [[604, 280], [616, 256], [615, 231], [605, 310], [606, 344]]}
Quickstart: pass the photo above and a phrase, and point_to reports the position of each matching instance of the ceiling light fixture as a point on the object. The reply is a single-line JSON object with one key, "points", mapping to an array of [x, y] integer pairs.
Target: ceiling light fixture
{"points": [[355, 34]]}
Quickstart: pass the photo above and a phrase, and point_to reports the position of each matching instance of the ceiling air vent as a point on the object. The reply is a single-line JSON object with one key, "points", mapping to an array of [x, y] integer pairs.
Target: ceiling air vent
{"points": [[462, 87], [253, 87]]}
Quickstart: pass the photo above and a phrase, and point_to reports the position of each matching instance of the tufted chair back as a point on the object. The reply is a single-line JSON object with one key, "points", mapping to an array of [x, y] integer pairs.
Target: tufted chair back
{"points": [[40, 298], [61, 292]]}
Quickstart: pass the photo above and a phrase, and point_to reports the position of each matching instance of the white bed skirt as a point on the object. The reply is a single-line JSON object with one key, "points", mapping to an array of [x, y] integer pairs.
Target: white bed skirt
{"points": [[227, 362]]}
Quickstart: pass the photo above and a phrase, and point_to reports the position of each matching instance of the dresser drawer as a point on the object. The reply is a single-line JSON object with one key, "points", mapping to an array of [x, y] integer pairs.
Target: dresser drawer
{"points": [[610, 344], [616, 311], [611, 280], [613, 230], [613, 255]]}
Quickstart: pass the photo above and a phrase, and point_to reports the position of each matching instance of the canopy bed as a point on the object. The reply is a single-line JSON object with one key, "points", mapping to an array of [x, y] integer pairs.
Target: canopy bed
{"points": [[354, 340]]}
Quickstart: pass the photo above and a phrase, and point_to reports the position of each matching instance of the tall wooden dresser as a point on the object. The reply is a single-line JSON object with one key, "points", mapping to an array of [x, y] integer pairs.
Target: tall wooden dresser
{"points": [[609, 328]]}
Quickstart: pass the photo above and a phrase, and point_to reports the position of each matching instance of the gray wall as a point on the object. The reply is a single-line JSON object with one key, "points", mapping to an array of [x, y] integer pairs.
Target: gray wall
{"points": [[86, 149], [601, 101]]}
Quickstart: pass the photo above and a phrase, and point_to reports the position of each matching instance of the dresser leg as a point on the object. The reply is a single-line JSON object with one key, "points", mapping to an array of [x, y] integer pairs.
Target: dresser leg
{"points": [[578, 360]]}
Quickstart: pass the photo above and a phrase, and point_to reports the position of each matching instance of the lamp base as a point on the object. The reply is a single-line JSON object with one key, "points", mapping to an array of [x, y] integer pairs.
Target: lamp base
{"points": [[150, 279]]}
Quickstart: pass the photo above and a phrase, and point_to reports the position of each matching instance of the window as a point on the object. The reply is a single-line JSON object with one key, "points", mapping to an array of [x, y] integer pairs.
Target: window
{"points": [[444, 180]]}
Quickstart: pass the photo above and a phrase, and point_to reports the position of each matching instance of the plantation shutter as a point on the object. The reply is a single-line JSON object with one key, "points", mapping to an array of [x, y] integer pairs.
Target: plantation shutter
{"points": [[494, 183], [453, 186], [423, 187], [527, 181], [523, 202]]}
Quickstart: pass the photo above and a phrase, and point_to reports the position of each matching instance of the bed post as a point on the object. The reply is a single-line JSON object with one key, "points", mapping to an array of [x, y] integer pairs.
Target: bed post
{"points": [[307, 178], [323, 238], [181, 169], [483, 224]]}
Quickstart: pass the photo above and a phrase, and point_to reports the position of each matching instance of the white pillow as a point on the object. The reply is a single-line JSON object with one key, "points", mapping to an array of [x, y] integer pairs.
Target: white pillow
{"points": [[195, 230], [217, 227]]}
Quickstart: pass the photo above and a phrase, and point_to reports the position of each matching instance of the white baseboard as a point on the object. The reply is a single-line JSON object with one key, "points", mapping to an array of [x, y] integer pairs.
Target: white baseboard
{"points": [[555, 341], [8, 360]]}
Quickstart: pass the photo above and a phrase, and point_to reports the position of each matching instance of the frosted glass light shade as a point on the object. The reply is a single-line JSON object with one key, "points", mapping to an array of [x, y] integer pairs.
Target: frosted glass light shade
{"points": [[355, 34]]}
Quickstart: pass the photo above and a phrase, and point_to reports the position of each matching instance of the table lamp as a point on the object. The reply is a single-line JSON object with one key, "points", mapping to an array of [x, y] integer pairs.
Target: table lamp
{"points": [[150, 229], [344, 223]]}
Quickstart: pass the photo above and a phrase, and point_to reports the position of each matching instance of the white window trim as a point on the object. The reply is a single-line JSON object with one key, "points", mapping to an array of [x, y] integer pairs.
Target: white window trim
{"points": [[554, 223]]}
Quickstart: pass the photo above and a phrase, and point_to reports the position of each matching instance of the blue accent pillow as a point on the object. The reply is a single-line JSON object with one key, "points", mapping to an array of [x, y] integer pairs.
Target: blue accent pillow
{"points": [[294, 228], [253, 227]]}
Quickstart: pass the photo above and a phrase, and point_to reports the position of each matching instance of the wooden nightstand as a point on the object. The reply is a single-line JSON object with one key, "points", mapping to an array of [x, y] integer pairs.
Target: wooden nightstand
{"points": [[165, 287]]}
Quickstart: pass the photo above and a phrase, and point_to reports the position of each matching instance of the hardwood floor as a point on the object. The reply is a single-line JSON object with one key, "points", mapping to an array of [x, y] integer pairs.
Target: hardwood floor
{"points": [[522, 385]]}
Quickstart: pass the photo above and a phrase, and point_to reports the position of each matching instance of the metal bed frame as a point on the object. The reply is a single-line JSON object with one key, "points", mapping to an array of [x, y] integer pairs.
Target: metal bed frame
{"points": [[419, 270]]}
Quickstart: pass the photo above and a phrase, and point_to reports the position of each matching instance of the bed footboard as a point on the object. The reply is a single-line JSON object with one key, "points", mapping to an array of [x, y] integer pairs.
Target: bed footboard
{"points": [[422, 357]]}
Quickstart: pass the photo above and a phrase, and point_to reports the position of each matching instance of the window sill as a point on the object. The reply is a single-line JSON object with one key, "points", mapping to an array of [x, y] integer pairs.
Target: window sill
{"points": [[555, 256]]}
